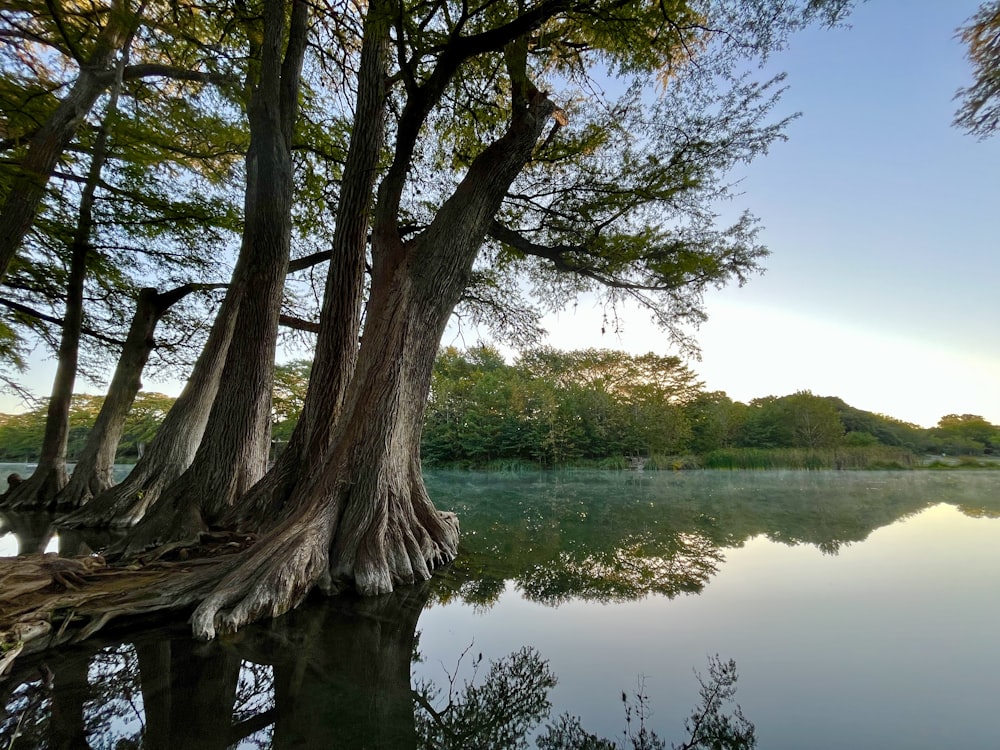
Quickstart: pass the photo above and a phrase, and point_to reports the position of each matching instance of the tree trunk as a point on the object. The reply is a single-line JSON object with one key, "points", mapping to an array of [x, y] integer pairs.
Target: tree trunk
{"points": [[70, 693], [49, 479], [38, 492], [362, 516], [173, 448], [233, 455], [93, 472], [28, 186], [340, 316]]}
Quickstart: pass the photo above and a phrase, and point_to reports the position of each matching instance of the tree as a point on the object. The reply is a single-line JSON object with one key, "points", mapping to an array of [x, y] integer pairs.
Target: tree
{"points": [[43, 44], [186, 480], [93, 472], [356, 513], [979, 112], [454, 139], [715, 421], [966, 433], [50, 477], [97, 70], [811, 421]]}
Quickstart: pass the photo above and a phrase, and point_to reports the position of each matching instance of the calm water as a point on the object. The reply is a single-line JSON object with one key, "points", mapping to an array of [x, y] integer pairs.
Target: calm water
{"points": [[861, 610]]}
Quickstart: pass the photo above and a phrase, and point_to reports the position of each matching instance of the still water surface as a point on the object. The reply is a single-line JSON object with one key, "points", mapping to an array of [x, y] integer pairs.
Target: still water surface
{"points": [[861, 610]]}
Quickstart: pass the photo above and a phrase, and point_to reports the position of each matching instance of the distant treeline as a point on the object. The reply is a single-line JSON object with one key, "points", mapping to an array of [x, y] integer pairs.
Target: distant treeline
{"points": [[590, 407], [21, 434], [553, 407]]}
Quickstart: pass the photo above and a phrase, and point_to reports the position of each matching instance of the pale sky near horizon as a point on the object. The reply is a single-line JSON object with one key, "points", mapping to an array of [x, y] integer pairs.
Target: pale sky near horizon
{"points": [[881, 286]]}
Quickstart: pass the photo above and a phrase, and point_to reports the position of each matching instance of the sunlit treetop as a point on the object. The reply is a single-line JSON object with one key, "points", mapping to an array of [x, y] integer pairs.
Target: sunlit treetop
{"points": [[979, 112], [656, 103]]}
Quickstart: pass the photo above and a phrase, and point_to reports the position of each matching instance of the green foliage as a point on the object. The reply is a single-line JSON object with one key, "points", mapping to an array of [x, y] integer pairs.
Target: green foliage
{"points": [[291, 381], [21, 434], [965, 434], [590, 409], [554, 407], [168, 207], [800, 420], [846, 457]]}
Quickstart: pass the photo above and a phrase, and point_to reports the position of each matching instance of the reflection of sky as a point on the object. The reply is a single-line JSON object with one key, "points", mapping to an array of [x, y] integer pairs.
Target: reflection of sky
{"points": [[889, 643], [8, 545]]}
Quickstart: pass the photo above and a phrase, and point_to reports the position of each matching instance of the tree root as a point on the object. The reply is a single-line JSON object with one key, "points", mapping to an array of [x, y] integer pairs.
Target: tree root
{"points": [[46, 601], [273, 577]]}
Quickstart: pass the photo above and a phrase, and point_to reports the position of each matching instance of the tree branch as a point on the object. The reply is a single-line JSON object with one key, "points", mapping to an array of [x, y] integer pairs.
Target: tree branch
{"points": [[25, 310], [157, 70], [298, 324]]}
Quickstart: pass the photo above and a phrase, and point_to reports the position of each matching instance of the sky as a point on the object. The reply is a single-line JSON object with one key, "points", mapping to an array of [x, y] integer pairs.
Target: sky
{"points": [[883, 286], [882, 283]]}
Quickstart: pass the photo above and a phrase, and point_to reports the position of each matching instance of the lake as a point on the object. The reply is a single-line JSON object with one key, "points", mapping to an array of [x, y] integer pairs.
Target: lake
{"points": [[861, 610]]}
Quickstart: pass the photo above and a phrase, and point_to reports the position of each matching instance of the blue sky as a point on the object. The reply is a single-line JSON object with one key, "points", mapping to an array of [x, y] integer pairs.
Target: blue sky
{"points": [[882, 283], [882, 286]]}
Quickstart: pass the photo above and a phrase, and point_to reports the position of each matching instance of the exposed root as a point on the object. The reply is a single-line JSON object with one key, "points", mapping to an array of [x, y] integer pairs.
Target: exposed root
{"points": [[29, 573], [396, 549], [13, 641], [273, 577], [37, 492], [121, 506], [83, 486], [46, 600]]}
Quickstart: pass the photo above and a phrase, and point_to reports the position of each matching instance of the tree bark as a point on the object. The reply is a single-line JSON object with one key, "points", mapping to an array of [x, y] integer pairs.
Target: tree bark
{"points": [[173, 448], [93, 472], [362, 517], [233, 455], [340, 315]]}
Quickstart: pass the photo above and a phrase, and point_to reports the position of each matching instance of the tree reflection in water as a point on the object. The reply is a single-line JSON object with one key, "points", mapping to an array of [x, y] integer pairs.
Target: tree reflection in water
{"points": [[334, 672], [338, 672]]}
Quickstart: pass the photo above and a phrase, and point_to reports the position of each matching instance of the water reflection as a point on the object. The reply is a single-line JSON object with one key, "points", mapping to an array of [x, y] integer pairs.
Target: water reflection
{"points": [[607, 537], [36, 533], [336, 671], [341, 671]]}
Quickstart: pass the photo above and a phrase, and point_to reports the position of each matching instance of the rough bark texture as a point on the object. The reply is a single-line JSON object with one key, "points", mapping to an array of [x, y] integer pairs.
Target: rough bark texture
{"points": [[340, 316], [173, 448], [47, 601], [233, 453], [93, 472], [362, 516]]}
